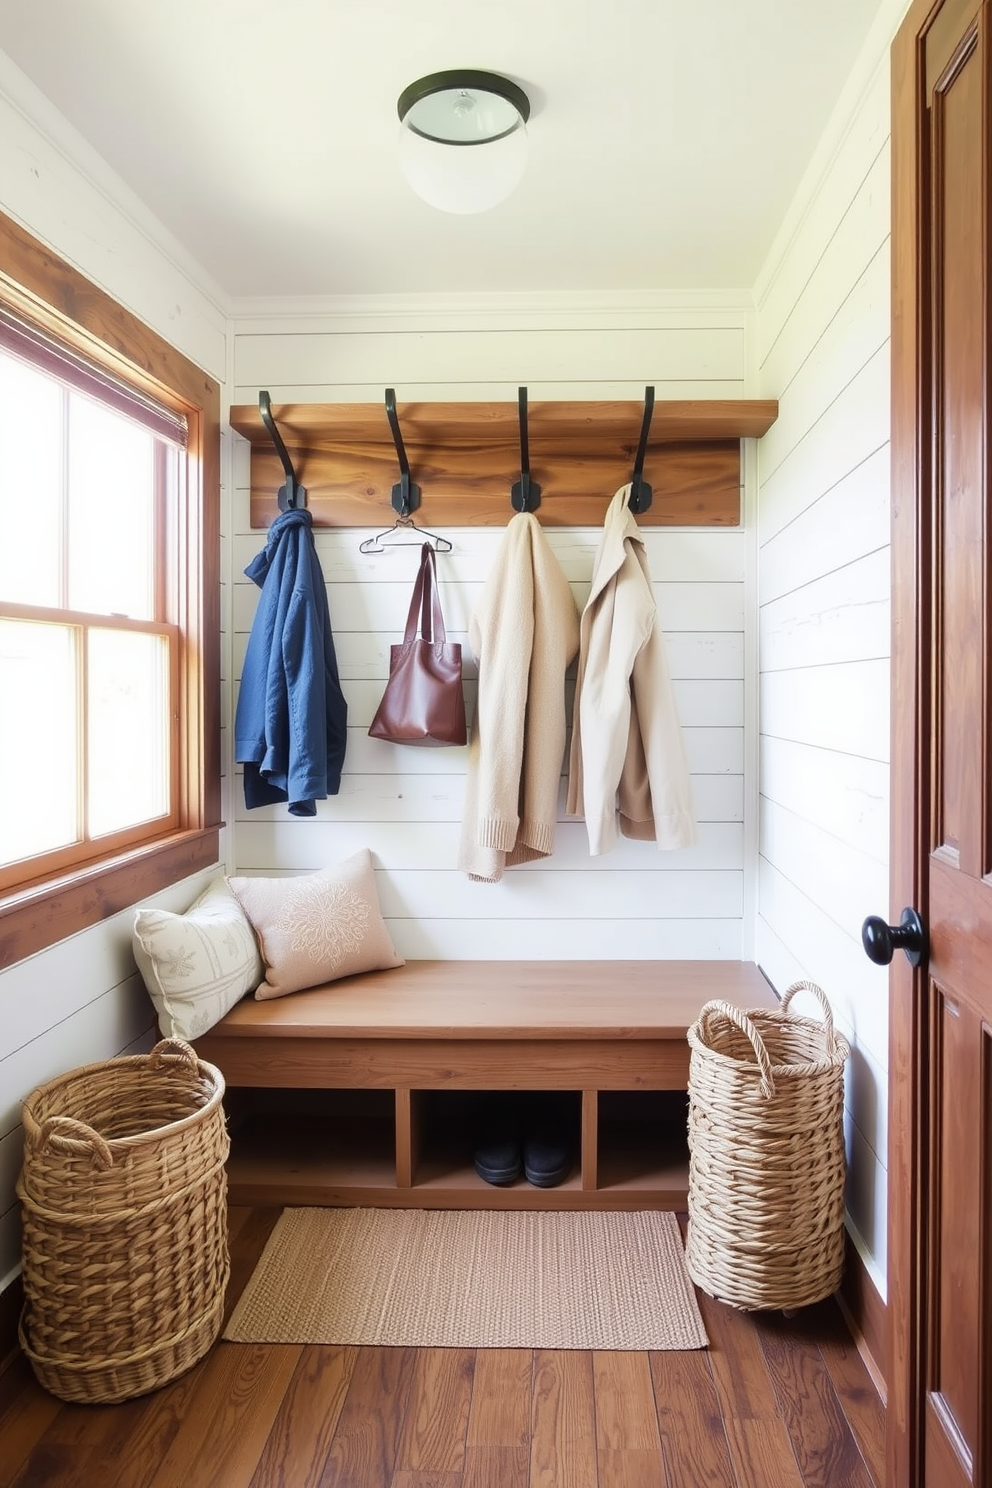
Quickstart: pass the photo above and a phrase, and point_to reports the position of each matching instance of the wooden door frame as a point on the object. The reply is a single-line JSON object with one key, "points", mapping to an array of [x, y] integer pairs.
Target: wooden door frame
{"points": [[910, 836], [909, 807]]}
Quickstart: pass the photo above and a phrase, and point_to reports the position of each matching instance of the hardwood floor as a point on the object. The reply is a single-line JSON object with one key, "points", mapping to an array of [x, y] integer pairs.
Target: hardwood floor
{"points": [[773, 1403]]}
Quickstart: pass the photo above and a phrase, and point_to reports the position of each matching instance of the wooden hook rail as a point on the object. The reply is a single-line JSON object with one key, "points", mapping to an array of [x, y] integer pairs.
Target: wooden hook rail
{"points": [[465, 456]]}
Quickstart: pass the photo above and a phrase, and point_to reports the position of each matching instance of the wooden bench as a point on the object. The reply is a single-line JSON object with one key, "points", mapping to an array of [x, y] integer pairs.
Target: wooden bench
{"points": [[363, 1091]]}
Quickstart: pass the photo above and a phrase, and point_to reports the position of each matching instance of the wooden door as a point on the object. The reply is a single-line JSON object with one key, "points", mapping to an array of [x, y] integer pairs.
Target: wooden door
{"points": [[940, 1171]]}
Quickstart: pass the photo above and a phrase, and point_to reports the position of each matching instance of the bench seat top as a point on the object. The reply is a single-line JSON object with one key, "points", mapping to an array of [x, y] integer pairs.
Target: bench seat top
{"points": [[505, 1000]]}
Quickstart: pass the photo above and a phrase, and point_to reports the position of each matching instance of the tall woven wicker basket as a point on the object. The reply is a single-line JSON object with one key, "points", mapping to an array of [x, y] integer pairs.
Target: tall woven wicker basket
{"points": [[123, 1193], [766, 1154]]}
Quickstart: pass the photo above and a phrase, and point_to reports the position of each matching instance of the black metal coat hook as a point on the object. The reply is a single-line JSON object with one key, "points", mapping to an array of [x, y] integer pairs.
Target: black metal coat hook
{"points": [[525, 494], [292, 494], [640, 491], [405, 497]]}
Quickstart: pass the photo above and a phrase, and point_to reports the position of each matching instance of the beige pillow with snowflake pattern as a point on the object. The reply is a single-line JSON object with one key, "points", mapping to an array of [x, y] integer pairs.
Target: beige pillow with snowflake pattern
{"points": [[317, 927], [196, 965]]}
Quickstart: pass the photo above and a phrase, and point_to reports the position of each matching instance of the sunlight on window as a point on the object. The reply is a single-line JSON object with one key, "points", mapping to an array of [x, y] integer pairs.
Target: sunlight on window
{"points": [[128, 729], [111, 512], [30, 483], [38, 740]]}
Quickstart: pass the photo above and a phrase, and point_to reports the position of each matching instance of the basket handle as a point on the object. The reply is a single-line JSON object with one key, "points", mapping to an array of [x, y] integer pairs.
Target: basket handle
{"points": [[739, 1016], [173, 1051], [75, 1139], [821, 997]]}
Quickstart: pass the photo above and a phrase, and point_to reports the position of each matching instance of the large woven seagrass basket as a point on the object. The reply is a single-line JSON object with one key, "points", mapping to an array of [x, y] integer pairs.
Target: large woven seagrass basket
{"points": [[766, 1154], [124, 1210]]}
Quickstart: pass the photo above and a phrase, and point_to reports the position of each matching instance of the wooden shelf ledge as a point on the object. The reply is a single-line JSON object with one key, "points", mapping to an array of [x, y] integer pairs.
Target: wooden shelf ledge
{"points": [[466, 456]]}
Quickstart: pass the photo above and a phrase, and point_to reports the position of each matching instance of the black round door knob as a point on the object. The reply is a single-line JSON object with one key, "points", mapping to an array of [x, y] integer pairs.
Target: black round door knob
{"points": [[881, 940]]}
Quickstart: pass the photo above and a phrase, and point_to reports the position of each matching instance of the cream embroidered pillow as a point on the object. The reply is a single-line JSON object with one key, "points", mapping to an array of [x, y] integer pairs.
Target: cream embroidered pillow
{"points": [[196, 965], [317, 927]]}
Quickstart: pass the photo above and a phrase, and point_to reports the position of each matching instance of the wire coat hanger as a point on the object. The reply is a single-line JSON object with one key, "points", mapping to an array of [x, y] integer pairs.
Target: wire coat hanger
{"points": [[640, 491], [291, 495], [403, 533]]}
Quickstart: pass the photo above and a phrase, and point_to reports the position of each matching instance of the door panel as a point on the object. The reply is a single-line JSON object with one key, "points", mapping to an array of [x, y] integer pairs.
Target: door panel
{"points": [[958, 237], [960, 981]]}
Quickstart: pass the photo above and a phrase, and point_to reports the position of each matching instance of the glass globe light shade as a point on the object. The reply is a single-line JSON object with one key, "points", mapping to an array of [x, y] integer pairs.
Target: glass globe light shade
{"points": [[463, 139]]}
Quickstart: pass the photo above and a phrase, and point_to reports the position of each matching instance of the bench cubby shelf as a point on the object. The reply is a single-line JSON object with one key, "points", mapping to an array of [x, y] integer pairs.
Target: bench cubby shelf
{"points": [[361, 1092]]}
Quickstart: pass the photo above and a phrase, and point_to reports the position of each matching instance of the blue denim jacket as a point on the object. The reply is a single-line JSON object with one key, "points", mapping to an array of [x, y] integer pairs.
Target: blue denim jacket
{"points": [[290, 727]]}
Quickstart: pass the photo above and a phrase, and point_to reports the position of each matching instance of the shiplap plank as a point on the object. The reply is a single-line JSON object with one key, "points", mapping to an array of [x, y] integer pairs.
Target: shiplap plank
{"points": [[292, 846], [364, 654], [850, 429], [859, 328], [866, 1196], [97, 1031], [685, 554], [865, 1079], [557, 895], [398, 359], [840, 793], [413, 799], [11, 1157], [681, 606], [709, 750], [845, 524], [10, 1244], [709, 655], [843, 707], [484, 939], [839, 879], [436, 791], [860, 237], [844, 616], [43, 991], [700, 703], [835, 959], [863, 141]]}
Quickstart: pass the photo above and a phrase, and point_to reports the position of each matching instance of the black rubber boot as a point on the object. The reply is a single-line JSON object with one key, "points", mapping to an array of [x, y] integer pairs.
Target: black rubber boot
{"points": [[497, 1156], [547, 1149]]}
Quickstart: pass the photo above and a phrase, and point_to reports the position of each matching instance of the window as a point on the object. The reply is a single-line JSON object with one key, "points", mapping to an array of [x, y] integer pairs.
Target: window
{"points": [[109, 623]]}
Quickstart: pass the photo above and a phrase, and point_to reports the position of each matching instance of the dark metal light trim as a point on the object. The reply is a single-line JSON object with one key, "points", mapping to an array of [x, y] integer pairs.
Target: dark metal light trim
{"points": [[463, 77]]}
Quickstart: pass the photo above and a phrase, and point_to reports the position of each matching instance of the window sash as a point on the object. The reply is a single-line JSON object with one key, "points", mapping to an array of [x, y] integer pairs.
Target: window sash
{"points": [[86, 847]]}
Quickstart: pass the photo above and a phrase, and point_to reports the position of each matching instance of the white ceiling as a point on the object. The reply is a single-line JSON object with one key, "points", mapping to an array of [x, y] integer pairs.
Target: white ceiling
{"points": [[667, 136]]}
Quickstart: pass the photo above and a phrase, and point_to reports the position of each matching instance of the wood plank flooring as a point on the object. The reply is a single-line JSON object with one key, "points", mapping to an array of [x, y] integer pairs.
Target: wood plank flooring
{"points": [[773, 1403]]}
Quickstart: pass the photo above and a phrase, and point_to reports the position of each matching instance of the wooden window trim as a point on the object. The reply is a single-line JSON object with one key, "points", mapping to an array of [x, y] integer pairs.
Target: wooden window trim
{"points": [[42, 288]]}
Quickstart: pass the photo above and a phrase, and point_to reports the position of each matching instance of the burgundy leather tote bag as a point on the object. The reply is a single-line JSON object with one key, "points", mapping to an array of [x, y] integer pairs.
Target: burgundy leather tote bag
{"points": [[423, 701]]}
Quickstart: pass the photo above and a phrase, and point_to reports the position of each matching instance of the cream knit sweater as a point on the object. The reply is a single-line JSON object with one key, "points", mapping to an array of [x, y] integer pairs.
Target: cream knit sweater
{"points": [[627, 763], [524, 633]]}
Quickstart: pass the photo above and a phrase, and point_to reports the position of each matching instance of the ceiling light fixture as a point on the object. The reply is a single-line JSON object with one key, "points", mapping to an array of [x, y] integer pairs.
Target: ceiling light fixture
{"points": [[463, 138]]}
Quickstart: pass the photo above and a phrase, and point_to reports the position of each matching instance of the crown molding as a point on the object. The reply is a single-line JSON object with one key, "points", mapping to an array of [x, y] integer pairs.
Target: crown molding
{"points": [[537, 310]]}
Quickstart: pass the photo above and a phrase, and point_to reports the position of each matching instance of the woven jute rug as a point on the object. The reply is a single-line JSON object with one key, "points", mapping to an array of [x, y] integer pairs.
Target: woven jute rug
{"points": [[471, 1279]]}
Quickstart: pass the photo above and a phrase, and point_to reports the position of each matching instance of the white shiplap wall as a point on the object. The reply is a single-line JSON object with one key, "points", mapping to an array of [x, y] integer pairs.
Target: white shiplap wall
{"points": [[406, 804], [82, 1000], [823, 629]]}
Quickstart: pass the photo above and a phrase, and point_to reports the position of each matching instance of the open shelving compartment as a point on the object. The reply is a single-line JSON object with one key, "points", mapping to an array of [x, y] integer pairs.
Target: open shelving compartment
{"points": [[360, 1093], [414, 1148]]}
